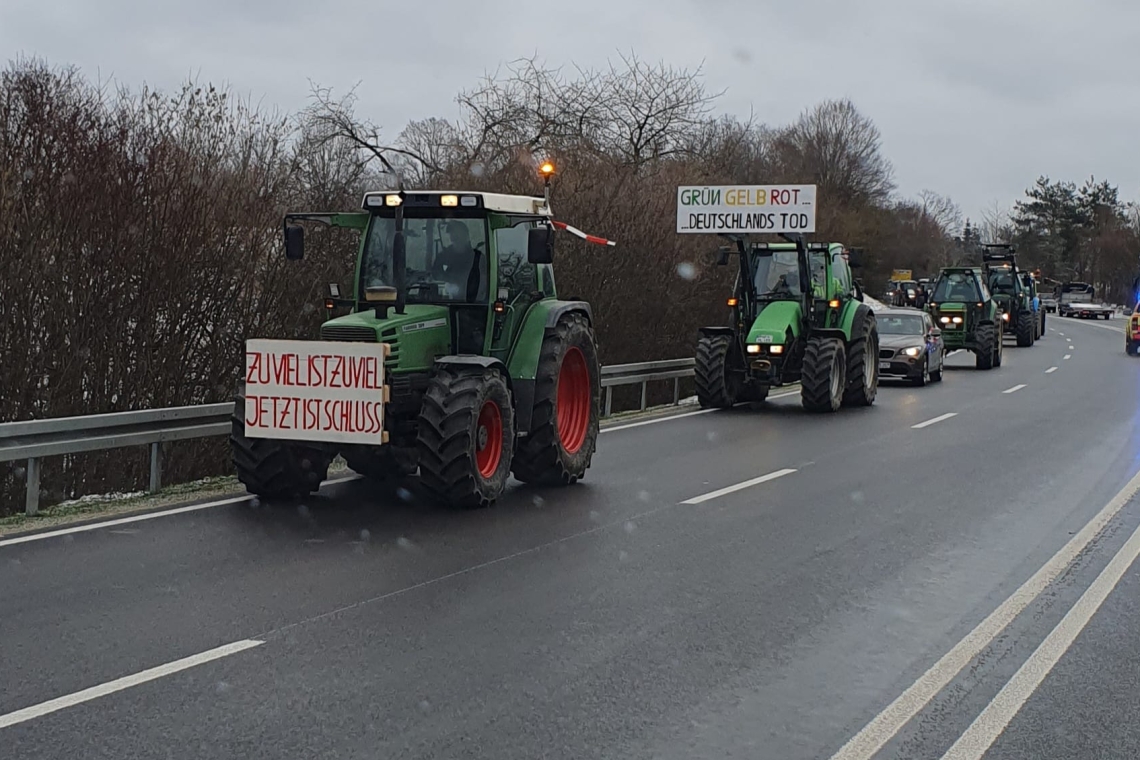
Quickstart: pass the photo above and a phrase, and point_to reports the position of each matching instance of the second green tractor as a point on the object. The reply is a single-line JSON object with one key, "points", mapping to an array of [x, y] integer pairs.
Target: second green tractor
{"points": [[797, 316]]}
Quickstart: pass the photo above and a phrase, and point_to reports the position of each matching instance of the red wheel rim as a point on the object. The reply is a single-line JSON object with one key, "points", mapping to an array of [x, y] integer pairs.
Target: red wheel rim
{"points": [[573, 400], [489, 439]]}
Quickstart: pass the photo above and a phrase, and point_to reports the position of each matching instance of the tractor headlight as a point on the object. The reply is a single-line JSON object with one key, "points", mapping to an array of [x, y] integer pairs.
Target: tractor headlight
{"points": [[913, 351], [753, 348], [957, 320], [775, 349], [945, 320], [1005, 316]]}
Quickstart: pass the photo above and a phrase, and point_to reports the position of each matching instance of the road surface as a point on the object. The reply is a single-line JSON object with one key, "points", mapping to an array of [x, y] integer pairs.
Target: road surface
{"points": [[945, 574]]}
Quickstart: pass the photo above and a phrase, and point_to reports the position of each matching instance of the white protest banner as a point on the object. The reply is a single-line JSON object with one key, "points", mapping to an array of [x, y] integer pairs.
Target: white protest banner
{"points": [[746, 208], [315, 391]]}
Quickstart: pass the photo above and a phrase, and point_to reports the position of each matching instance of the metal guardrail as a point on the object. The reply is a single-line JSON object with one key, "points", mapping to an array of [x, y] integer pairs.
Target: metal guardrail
{"points": [[33, 440]]}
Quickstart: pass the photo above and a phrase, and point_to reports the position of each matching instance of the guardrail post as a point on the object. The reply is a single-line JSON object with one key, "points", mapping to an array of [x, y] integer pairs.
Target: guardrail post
{"points": [[155, 467], [609, 401], [676, 391], [32, 498], [644, 385]]}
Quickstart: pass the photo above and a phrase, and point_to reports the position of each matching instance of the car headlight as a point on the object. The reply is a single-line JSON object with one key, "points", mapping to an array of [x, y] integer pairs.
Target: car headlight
{"points": [[913, 351]]}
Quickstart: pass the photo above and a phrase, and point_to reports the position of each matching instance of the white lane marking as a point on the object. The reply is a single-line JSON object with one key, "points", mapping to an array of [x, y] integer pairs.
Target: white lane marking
{"points": [[126, 682], [898, 713], [986, 728], [738, 487], [1014, 389], [147, 516], [1050, 371], [1068, 356], [671, 417], [668, 418], [937, 419], [1062, 334]]}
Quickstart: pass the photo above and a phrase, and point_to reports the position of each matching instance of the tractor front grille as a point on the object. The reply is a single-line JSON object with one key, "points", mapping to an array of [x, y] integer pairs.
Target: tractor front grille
{"points": [[348, 333]]}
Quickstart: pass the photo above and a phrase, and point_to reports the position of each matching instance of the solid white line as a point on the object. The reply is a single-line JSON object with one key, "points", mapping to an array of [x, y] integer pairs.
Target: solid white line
{"points": [[986, 728], [898, 713], [738, 487], [126, 682], [148, 516], [939, 418], [1068, 356], [1050, 371], [671, 417], [1014, 389], [654, 421]]}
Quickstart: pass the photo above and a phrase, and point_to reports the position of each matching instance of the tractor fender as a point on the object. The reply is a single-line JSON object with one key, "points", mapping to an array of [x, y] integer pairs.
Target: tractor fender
{"points": [[847, 319], [829, 332], [563, 307], [473, 360]]}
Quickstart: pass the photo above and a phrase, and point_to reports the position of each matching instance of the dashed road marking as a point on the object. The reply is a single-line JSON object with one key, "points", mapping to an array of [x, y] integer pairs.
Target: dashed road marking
{"points": [[738, 487], [1014, 389], [1050, 371], [935, 420]]}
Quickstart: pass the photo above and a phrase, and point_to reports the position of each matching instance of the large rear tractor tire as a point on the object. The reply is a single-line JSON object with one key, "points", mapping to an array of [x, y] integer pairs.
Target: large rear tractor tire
{"points": [[466, 436], [1025, 328], [567, 399], [717, 386], [862, 360], [1043, 313], [273, 468], [824, 375], [999, 345], [984, 353]]}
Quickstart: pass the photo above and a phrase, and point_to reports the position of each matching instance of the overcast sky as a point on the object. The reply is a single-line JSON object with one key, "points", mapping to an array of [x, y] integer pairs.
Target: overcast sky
{"points": [[975, 98]]}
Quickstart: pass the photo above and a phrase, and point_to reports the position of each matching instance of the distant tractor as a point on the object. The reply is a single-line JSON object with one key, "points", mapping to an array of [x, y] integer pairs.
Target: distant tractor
{"points": [[457, 358], [967, 314], [797, 316], [1017, 302]]}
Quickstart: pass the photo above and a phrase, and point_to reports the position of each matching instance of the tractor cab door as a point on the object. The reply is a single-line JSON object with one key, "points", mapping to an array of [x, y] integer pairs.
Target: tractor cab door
{"points": [[518, 284]]}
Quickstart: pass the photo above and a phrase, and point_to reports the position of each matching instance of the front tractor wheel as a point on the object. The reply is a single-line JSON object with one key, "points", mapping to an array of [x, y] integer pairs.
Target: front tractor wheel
{"points": [[824, 375], [862, 360], [466, 436], [272, 468], [985, 352], [718, 387], [1025, 327], [564, 424]]}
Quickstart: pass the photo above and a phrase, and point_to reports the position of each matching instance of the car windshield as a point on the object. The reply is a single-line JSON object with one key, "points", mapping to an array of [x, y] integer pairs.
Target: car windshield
{"points": [[904, 324], [446, 258], [776, 274], [956, 286]]}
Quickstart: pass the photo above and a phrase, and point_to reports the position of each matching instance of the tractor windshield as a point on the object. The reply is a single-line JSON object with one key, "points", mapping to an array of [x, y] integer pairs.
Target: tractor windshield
{"points": [[1002, 281], [958, 287], [446, 257], [776, 274]]}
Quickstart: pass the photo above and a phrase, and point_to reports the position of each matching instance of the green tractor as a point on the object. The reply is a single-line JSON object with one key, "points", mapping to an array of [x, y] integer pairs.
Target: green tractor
{"points": [[797, 316], [1008, 287], [485, 370], [969, 317]]}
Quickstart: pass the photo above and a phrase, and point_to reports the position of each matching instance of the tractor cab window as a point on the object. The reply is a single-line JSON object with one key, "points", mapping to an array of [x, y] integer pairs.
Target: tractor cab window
{"points": [[516, 274], [958, 287], [777, 274], [446, 258], [841, 272], [1002, 281]]}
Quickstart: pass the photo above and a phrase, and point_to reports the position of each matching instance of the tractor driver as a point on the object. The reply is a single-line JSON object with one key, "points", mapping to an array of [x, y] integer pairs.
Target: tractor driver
{"points": [[458, 264]]}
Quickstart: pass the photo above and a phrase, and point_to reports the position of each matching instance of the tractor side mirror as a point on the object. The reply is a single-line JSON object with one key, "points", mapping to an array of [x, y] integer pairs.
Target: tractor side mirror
{"points": [[722, 255], [540, 245], [294, 242], [855, 258]]}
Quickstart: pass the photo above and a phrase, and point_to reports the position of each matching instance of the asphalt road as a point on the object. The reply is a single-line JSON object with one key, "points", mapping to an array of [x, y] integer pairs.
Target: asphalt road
{"points": [[743, 584]]}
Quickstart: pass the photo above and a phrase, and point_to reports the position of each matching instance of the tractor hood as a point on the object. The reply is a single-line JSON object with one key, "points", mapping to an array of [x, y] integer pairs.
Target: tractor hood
{"points": [[415, 337], [774, 321]]}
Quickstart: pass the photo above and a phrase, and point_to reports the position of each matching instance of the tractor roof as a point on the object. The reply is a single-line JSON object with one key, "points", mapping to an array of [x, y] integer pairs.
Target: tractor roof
{"points": [[497, 202], [976, 270]]}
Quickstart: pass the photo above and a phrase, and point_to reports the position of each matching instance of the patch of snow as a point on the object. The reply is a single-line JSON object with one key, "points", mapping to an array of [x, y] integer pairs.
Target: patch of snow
{"points": [[116, 496]]}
